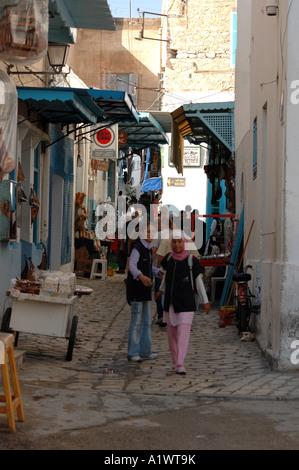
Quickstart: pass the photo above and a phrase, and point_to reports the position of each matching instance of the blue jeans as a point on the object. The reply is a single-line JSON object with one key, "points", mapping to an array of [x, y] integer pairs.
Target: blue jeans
{"points": [[140, 331]]}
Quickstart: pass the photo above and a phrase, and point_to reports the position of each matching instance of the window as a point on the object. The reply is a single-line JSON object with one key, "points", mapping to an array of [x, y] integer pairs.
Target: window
{"points": [[61, 200], [127, 82]]}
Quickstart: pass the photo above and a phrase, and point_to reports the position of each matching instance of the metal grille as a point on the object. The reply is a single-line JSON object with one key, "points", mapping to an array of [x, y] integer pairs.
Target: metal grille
{"points": [[223, 126]]}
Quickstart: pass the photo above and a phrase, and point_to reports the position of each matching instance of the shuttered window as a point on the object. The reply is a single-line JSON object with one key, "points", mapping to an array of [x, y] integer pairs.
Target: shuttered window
{"points": [[62, 155], [127, 82]]}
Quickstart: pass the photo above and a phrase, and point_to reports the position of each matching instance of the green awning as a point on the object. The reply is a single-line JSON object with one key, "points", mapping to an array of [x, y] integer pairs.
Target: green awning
{"points": [[78, 105], [146, 133], [67, 14], [211, 121]]}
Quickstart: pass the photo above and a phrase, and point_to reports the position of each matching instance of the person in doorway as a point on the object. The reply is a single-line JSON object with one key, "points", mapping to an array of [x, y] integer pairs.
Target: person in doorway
{"points": [[139, 296], [179, 300]]}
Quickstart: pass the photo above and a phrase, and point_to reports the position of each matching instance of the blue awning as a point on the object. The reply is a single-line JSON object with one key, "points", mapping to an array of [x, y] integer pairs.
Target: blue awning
{"points": [[64, 15], [146, 133], [211, 121], [152, 184], [118, 105], [78, 105]]}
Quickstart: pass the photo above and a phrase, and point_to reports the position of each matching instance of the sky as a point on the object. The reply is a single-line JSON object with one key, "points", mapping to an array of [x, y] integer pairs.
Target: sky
{"points": [[122, 8]]}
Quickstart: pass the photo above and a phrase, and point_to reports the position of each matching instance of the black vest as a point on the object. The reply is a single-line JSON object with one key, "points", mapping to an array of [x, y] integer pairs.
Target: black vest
{"points": [[135, 289], [178, 287]]}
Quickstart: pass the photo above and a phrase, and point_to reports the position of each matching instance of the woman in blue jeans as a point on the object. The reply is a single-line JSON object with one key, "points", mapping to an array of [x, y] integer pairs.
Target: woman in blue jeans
{"points": [[139, 296]]}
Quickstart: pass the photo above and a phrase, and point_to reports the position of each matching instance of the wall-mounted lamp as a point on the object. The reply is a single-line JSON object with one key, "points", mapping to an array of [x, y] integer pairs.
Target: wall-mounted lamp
{"points": [[57, 56], [272, 7]]}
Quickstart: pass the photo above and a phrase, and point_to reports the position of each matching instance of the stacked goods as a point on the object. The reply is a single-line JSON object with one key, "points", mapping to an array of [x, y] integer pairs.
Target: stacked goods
{"points": [[47, 283], [57, 284], [28, 287]]}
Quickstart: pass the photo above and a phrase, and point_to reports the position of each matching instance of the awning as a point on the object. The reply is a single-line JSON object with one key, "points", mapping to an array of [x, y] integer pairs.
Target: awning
{"points": [[211, 121], [147, 133], [78, 105], [202, 123], [152, 184], [180, 128], [118, 105], [164, 119], [67, 14]]}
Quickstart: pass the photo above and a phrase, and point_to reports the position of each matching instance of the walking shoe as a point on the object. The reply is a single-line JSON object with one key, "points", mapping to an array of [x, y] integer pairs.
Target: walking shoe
{"points": [[134, 359], [151, 357], [181, 371]]}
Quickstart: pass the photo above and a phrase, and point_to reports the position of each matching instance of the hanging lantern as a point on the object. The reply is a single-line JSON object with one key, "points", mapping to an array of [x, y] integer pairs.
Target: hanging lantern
{"points": [[24, 27], [8, 124]]}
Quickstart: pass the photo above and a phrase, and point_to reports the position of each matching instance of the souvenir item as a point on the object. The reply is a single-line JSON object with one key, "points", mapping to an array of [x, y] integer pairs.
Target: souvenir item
{"points": [[8, 124], [24, 27], [4, 210], [34, 203]]}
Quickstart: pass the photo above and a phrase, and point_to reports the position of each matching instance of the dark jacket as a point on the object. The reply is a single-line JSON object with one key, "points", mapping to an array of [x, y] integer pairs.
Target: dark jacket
{"points": [[178, 287], [136, 290]]}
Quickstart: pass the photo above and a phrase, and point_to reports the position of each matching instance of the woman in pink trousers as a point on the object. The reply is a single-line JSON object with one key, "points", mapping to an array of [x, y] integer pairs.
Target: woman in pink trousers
{"points": [[179, 297]]}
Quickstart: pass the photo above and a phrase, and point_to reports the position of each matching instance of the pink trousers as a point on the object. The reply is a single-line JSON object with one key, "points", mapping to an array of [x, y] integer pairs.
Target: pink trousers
{"points": [[178, 340]]}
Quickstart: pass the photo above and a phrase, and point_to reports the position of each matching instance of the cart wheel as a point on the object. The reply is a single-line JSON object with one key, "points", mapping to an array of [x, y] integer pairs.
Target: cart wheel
{"points": [[6, 321], [72, 339]]}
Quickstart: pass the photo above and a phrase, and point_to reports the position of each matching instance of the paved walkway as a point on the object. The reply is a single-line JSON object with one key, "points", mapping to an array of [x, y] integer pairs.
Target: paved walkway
{"points": [[218, 363]]}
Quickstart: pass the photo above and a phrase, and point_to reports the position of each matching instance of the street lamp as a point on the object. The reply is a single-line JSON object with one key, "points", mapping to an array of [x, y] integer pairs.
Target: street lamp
{"points": [[57, 56]]}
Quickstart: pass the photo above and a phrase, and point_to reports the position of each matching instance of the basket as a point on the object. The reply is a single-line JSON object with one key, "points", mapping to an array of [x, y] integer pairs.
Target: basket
{"points": [[227, 315]]}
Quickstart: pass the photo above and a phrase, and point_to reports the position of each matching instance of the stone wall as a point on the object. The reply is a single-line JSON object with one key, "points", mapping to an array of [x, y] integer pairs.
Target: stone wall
{"points": [[120, 52], [200, 47]]}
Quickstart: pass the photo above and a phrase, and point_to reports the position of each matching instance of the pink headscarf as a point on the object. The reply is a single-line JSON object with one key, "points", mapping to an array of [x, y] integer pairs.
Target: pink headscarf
{"points": [[185, 253]]}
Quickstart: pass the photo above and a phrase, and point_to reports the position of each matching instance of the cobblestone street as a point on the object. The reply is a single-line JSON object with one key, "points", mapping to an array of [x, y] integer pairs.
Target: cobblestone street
{"points": [[99, 386]]}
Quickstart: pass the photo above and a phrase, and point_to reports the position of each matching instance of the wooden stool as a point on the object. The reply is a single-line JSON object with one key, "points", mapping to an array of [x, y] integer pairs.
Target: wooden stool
{"points": [[94, 269], [12, 402]]}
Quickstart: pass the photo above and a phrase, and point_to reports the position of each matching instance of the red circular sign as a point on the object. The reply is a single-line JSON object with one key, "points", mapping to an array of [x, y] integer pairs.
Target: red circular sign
{"points": [[104, 137]]}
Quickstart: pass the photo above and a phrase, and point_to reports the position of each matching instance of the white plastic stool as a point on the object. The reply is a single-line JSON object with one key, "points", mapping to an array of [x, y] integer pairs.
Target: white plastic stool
{"points": [[94, 269], [214, 282]]}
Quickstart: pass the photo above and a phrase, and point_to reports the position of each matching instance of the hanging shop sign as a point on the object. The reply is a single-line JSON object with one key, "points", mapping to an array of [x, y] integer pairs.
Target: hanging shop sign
{"points": [[100, 165], [105, 143], [191, 156], [122, 139]]}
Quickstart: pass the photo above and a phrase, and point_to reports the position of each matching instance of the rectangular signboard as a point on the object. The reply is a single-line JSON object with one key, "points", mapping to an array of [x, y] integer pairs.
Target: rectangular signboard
{"points": [[176, 182]]}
